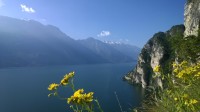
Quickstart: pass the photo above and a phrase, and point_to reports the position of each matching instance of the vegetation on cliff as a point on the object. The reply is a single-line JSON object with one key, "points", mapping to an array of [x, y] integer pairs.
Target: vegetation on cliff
{"points": [[159, 50], [180, 74]]}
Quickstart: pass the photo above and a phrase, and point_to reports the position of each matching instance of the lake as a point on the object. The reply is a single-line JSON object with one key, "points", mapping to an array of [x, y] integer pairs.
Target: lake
{"points": [[24, 89]]}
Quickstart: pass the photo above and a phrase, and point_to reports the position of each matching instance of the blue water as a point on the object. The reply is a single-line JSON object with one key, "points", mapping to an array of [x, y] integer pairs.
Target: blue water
{"points": [[24, 89]]}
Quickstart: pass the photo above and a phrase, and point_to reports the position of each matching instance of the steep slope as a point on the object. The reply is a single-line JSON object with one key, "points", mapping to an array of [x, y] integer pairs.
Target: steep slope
{"points": [[192, 17], [157, 51], [29, 43], [181, 43], [105, 50], [176, 79]]}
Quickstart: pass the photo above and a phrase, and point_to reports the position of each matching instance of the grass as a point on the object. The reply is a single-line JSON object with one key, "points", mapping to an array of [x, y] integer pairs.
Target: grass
{"points": [[181, 92]]}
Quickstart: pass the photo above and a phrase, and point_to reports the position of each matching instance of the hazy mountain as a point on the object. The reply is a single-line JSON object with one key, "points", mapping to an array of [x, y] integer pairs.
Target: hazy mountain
{"points": [[113, 52], [30, 43], [27, 43], [129, 50]]}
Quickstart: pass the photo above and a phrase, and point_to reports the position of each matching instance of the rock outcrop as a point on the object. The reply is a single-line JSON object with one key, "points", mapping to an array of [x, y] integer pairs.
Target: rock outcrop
{"points": [[155, 52], [192, 17]]}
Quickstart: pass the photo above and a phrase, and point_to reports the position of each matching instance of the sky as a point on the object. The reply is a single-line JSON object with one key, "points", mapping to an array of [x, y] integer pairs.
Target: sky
{"points": [[128, 21]]}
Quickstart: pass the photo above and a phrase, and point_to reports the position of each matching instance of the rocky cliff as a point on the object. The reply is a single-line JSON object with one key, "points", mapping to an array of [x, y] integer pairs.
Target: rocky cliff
{"points": [[155, 52], [159, 50], [192, 17]]}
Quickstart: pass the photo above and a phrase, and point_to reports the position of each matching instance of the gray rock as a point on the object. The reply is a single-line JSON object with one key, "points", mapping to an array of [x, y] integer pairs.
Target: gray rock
{"points": [[150, 56], [155, 52], [192, 17]]}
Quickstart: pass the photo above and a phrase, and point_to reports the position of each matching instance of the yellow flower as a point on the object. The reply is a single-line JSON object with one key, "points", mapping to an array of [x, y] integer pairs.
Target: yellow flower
{"points": [[78, 93], [53, 86], [180, 75], [64, 82], [193, 101], [66, 78], [79, 98], [88, 97], [157, 68], [187, 71], [183, 63], [197, 75], [175, 99], [175, 70], [174, 65]]}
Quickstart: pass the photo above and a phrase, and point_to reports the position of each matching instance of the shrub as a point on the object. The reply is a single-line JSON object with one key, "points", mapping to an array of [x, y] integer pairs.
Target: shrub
{"points": [[182, 93]]}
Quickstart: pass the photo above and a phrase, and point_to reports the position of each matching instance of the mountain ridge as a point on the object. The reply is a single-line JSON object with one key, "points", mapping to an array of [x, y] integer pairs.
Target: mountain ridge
{"points": [[109, 51], [30, 43]]}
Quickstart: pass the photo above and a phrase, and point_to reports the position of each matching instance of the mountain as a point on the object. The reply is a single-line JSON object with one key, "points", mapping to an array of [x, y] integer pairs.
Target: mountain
{"points": [[129, 50], [178, 44], [30, 43], [112, 53]]}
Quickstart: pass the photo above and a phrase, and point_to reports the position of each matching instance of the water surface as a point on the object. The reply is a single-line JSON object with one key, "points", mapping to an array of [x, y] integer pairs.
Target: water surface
{"points": [[24, 89]]}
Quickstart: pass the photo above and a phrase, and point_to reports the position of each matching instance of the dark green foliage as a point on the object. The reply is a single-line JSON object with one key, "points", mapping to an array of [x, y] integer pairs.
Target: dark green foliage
{"points": [[189, 48], [171, 42], [147, 67], [189, 1], [177, 47], [184, 48]]}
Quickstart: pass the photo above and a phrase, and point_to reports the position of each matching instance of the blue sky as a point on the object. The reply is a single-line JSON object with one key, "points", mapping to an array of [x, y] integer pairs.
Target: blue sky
{"points": [[130, 21]]}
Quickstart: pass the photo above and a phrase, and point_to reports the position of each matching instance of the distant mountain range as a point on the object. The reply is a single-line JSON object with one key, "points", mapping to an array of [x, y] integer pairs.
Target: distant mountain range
{"points": [[30, 43], [111, 51]]}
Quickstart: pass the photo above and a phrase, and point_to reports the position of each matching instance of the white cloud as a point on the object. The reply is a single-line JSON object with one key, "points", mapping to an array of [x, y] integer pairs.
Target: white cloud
{"points": [[27, 9], [104, 34], [1, 3]]}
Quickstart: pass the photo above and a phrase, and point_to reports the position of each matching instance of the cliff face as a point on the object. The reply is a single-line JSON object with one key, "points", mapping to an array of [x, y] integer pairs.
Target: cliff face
{"points": [[192, 17], [149, 57], [154, 53]]}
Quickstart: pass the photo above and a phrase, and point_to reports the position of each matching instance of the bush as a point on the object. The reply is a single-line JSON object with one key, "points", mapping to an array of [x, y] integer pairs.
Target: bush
{"points": [[182, 91]]}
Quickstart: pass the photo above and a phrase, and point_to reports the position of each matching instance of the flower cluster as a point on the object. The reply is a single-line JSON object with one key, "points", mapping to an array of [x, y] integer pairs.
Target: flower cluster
{"points": [[53, 86], [184, 70], [185, 90], [80, 98], [190, 102], [66, 78], [64, 82], [181, 92], [156, 68], [158, 73], [79, 101], [186, 100]]}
